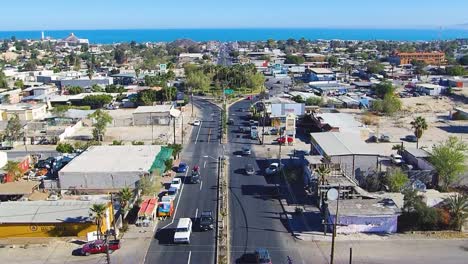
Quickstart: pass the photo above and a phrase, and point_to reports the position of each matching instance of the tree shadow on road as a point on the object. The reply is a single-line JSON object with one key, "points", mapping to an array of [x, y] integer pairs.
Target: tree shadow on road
{"points": [[165, 236]]}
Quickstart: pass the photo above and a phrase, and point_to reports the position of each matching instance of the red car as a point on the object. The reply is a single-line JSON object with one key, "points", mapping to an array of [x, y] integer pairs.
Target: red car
{"points": [[98, 246]]}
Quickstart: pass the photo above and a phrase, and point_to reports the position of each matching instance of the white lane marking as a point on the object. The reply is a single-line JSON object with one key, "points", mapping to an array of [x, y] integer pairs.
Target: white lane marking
{"points": [[199, 128], [201, 185], [196, 213], [204, 164], [189, 256]]}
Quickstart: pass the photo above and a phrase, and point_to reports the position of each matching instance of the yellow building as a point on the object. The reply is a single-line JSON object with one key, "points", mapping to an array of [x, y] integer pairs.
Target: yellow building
{"points": [[51, 218]]}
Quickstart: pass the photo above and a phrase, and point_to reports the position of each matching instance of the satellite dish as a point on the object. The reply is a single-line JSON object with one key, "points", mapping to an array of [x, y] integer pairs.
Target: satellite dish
{"points": [[332, 194]]}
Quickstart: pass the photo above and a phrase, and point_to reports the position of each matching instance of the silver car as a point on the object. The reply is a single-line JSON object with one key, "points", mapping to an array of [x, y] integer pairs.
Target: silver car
{"points": [[249, 169]]}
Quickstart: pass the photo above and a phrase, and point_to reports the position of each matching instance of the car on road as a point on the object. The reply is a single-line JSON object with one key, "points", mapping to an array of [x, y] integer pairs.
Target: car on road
{"points": [[195, 177], [411, 138], [196, 122], [99, 246], [172, 192], [249, 169], [176, 183], [262, 256], [206, 220], [183, 231], [246, 150], [396, 159], [182, 167], [230, 121], [273, 168]]}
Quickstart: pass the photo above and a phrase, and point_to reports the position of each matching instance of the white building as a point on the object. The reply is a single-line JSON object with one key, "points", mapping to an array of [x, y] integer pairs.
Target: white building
{"points": [[430, 89]]}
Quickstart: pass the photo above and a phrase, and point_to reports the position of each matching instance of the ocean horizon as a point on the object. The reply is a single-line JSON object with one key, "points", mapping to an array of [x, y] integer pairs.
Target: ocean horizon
{"points": [[110, 36]]}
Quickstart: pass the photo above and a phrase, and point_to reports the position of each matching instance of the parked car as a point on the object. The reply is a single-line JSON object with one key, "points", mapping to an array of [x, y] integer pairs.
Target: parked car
{"points": [[98, 246], [246, 150], [231, 121], [396, 159], [176, 183], [262, 256], [206, 220], [411, 138], [196, 122], [384, 138], [273, 168], [183, 231], [182, 167], [249, 169], [172, 192]]}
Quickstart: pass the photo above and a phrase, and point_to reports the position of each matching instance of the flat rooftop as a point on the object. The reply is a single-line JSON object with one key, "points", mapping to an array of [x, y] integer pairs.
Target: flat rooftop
{"points": [[153, 109], [321, 71], [62, 211], [18, 188], [364, 207], [341, 144], [114, 159]]}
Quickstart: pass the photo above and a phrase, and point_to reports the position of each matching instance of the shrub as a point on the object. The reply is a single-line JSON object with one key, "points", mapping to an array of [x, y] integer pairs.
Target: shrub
{"points": [[97, 100], [64, 148], [137, 143]]}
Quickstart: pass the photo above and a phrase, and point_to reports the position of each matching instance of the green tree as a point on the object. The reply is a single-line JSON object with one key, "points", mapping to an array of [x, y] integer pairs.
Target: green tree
{"points": [[419, 124], [456, 70], [256, 80], [399, 148], [117, 143], [75, 90], [148, 185], [198, 80], [65, 148], [323, 172], [176, 149], [120, 55], [19, 84], [13, 130], [12, 168], [3, 80], [271, 44], [112, 88], [397, 179], [298, 99], [332, 61], [314, 101], [389, 105], [293, 59], [374, 67], [384, 88], [448, 158], [101, 120], [169, 163], [60, 110], [137, 143], [125, 196], [96, 88], [464, 60], [98, 211], [97, 100], [458, 208]]}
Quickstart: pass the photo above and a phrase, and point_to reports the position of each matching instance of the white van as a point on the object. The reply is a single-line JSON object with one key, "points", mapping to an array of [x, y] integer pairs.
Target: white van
{"points": [[183, 231]]}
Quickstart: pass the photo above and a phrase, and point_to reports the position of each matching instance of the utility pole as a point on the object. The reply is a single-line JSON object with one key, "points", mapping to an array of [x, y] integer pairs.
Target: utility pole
{"points": [[113, 216], [152, 128], [182, 129], [263, 123], [332, 254], [350, 255], [174, 131], [106, 244], [191, 99]]}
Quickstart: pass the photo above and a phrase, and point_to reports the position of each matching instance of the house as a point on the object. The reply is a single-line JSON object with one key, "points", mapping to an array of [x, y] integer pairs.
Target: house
{"points": [[418, 158], [355, 157], [329, 87], [339, 122], [319, 74], [111, 168], [72, 40], [430, 89], [364, 216], [152, 115], [434, 58], [52, 218], [25, 112], [10, 96]]}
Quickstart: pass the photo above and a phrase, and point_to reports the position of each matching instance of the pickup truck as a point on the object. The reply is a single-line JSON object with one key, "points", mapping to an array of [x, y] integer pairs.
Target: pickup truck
{"points": [[99, 246]]}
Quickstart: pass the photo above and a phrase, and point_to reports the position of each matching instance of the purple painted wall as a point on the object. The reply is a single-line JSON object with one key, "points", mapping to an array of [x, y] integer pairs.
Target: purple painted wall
{"points": [[365, 224]]}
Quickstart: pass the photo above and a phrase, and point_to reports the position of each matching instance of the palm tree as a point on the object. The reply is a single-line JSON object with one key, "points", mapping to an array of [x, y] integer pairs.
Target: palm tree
{"points": [[399, 148], [323, 172], [98, 211], [458, 208], [419, 125], [12, 168], [125, 196]]}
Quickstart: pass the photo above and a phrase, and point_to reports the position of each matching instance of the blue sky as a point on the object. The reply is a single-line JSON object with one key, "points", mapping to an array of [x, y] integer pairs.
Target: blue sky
{"points": [[124, 14]]}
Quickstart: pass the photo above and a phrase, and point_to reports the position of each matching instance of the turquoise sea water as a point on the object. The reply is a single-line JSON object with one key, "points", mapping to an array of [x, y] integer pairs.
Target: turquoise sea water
{"points": [[157, 35]]}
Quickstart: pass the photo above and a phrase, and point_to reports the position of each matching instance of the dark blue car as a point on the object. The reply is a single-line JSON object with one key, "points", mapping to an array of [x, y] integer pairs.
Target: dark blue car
{"points": [[182, 167]]}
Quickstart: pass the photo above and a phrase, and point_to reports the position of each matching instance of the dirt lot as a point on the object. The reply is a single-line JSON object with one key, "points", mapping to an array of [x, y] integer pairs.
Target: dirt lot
{"points": [[122, 129]]}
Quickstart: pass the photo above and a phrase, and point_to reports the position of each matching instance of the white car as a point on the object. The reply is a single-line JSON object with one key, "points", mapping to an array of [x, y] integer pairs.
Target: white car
{"points": [[396, 159], [196, 122], [273, 168], [176, 183], [183, 231]]}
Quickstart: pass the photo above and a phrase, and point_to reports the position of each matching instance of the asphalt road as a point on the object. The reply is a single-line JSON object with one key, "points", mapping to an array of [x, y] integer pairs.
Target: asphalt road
{"points": [[223, 56], [256, 216], [203, 151], [15, 154]]}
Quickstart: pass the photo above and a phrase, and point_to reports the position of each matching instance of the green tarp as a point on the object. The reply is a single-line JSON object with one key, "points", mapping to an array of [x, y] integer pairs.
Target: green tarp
{"points": [[158, 164]]}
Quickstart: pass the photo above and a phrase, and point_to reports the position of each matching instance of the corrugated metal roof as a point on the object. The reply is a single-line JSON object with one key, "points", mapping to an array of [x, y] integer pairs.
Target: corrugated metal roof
{"points": [[340, 144]]}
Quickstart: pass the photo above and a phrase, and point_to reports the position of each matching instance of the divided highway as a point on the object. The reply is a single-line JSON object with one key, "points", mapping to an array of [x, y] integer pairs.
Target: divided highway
{"points": [[203, 150]]}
